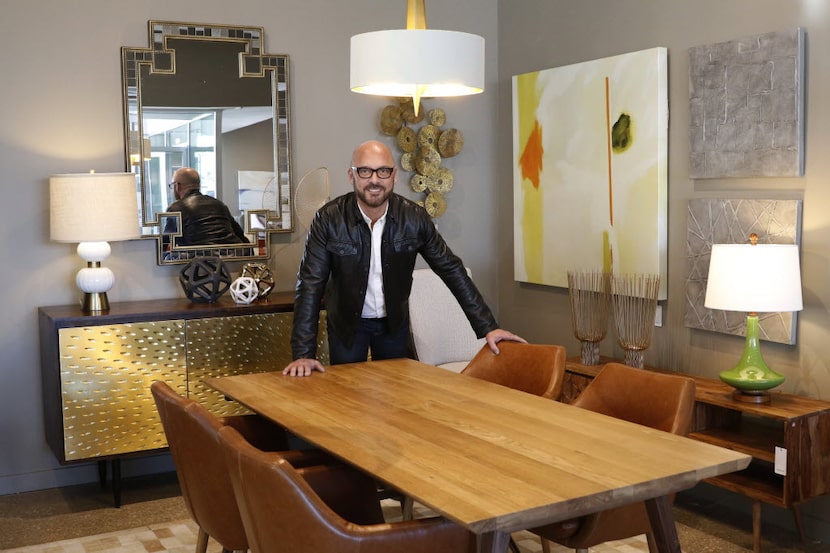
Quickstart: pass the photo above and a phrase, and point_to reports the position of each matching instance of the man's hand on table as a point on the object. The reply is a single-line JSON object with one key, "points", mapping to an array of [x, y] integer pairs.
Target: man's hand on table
{"points": [[303, 367]]}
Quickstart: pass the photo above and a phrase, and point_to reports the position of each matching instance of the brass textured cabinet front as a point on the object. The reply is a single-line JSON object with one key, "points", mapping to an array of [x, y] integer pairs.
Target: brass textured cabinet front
{"points": [[97, 370], [228, 346], [105, 377]]}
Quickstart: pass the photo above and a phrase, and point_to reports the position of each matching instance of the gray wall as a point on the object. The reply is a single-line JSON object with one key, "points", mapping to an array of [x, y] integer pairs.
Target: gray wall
{"points": [[539, 34], [60, 99]]}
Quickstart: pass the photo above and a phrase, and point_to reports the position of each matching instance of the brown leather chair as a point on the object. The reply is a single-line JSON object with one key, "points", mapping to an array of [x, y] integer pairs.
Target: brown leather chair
{"points": [[537, 369], [662, 401], [282, 511], [200, 465]]}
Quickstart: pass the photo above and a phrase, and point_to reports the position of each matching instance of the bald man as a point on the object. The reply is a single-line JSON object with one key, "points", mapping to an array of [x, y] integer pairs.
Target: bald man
{"points": [[360, 253]]}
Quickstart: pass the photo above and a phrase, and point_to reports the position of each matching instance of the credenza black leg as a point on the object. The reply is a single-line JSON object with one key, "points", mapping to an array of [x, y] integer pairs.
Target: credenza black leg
{"points": [[102, 473], [116, 479], [116, 482]]}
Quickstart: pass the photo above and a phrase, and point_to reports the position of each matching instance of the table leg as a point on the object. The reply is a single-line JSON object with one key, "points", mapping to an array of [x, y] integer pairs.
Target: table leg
{"points": [[661, 517], [494, 542]]}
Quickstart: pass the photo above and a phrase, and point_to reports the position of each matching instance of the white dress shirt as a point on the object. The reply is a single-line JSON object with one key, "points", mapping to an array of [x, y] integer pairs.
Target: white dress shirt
{"points": [[374, 306]]}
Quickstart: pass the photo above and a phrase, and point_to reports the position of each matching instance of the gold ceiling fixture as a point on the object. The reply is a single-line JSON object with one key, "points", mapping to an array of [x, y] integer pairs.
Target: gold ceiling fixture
{"points": [[417, 62]]}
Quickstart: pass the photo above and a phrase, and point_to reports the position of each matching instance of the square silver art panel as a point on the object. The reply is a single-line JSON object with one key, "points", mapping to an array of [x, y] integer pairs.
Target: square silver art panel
{"points": [[746, 104], [713, 221]]}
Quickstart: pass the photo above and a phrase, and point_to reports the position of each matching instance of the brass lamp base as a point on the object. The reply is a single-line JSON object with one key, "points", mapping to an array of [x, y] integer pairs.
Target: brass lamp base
{"points": [[95, 302]]}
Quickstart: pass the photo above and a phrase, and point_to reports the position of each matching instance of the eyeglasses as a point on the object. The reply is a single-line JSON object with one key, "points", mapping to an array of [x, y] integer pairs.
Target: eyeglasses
{"points": [[172, 185], [367, 172]]}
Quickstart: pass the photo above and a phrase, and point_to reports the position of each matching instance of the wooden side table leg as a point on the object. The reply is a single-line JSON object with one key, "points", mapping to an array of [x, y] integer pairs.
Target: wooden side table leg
{"points": [[799, 522], [661, 517], [756, 526]]}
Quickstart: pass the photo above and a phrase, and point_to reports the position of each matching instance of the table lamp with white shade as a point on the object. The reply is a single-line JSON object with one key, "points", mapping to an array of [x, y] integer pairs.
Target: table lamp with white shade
{"points": [[93, 209], [753, 278]]}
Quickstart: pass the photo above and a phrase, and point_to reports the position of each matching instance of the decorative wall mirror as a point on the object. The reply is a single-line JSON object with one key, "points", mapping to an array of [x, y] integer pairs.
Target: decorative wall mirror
{"points": [[209, 97]]}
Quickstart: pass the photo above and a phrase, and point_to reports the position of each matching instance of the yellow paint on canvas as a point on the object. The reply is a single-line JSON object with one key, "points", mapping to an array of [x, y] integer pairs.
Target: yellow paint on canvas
{"points": [[530, 160]]}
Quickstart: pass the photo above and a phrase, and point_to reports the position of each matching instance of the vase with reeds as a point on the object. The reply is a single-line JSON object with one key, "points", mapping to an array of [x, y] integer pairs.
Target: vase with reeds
{"points": [[588, 292], [634, 301]]}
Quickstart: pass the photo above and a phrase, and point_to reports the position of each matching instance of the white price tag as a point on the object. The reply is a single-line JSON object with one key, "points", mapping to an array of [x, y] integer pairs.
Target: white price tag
{"points": [[780, 461]]}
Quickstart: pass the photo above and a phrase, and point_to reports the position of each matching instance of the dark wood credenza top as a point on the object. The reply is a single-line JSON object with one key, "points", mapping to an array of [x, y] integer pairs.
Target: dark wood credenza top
{"points": [[711, 391], [166, 309]]}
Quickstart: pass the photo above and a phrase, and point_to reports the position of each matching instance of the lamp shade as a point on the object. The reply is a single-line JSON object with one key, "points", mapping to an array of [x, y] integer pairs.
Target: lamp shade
{"points": [[91, 207], [417, 63], [754, 278]]}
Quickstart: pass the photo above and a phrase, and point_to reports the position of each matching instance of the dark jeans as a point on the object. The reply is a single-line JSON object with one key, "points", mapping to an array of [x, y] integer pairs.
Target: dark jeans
{"points": [[371, 334]]}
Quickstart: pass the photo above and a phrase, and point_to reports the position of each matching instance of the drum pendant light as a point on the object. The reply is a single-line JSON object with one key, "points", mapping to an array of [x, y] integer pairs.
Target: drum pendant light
{"points": [[417, 62]]}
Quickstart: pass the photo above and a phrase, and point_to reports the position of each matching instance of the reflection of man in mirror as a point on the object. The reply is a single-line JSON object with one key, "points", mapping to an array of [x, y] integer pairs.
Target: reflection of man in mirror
{"points": [[205, 220]]}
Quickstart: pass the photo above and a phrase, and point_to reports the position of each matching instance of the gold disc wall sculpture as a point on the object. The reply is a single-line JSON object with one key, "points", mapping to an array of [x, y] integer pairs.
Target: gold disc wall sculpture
{"points": [[423, 149]]}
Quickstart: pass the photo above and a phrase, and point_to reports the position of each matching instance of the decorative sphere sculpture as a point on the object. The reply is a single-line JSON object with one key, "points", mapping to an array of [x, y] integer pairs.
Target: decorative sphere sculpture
{"points": [[262, 275], [244, 290], [205, 279]]}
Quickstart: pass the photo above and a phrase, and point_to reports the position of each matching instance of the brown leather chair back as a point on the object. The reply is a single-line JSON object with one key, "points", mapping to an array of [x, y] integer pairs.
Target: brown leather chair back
{"points": [[200, 465], [282, 512], [537, 369], [658, 400]]}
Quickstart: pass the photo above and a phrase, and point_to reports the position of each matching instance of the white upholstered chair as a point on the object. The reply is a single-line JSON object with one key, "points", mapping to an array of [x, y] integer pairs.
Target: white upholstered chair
{"points": [[441, 333]]}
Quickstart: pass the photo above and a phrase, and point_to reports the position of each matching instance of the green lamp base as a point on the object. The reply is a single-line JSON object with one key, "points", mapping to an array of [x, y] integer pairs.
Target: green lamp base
{"points": [[751, 377]]}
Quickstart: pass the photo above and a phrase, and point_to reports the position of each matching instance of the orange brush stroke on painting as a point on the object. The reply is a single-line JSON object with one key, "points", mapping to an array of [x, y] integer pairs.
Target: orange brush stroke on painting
{"points": [[531, 160]]}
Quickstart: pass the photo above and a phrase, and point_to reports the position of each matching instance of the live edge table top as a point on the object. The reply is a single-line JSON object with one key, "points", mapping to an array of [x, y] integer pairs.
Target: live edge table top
{"points": [[488, 457]]}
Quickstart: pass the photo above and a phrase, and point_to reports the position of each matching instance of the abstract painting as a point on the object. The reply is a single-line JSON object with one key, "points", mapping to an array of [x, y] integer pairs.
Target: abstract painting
{"points": [[590, 168], [715, 221], [746, 106]]}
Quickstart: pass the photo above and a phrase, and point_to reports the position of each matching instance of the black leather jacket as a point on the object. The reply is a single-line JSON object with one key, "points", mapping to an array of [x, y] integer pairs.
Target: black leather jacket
{"points": [[335, 266], [205, 220]]}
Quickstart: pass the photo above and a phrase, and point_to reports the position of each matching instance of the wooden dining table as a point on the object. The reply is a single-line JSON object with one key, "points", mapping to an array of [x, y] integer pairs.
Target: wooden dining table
{"points": [[493, 459]]}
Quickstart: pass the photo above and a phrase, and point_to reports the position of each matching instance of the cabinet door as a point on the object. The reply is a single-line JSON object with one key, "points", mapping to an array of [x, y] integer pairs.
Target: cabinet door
{"points": [[226, 346], [105, 377]]}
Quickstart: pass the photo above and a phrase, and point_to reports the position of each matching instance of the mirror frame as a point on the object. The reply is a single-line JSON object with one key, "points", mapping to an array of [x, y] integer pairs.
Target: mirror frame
{"points": [[253, 62]]}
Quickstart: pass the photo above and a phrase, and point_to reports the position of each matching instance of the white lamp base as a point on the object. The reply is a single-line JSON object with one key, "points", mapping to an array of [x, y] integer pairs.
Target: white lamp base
{"points": [[93, 280]]}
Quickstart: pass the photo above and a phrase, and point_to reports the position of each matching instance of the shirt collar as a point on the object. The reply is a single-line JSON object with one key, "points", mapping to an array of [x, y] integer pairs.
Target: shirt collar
{"points": [[368, 220]]}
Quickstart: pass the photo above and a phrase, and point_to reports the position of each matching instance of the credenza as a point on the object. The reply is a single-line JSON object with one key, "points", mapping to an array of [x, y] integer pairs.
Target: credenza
{"points": [[788, 439], [97, 369]]}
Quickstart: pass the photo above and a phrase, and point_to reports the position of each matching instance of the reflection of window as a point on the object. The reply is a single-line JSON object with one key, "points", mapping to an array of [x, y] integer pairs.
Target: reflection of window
{"points": [[180, 138]]}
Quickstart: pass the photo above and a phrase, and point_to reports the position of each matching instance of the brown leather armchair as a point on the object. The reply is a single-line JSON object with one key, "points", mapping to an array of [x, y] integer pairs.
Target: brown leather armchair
{"points": [[537, 369], [662, 401], [206, 487], [282, 511]]}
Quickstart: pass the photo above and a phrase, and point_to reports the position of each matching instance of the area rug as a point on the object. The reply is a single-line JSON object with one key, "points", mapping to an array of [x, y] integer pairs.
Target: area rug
{"points": [[180, 537]]}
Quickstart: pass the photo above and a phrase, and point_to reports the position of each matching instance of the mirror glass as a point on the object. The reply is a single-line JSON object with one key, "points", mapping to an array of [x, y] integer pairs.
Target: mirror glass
{"points": [[208, 97]]}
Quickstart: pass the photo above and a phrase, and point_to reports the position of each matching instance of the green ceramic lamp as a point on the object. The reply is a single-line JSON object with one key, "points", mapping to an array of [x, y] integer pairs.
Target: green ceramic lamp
{"points": [[753, 278]]}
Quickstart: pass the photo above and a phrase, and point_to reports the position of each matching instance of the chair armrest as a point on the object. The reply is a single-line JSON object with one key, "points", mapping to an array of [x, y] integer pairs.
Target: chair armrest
{"points": [[348, 492], [259, 432], [425, 535]]}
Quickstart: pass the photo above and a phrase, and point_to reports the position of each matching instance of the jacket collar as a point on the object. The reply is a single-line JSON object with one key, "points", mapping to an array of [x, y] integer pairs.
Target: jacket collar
{"points": [[355, 218]]}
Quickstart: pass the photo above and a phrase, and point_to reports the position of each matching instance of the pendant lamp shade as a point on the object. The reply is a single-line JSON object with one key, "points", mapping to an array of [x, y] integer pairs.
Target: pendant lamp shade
{"points": [[417, 62]]}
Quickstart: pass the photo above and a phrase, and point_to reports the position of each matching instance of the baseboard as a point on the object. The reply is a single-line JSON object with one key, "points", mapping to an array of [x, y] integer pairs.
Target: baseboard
{"points": [[83, 473]]}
